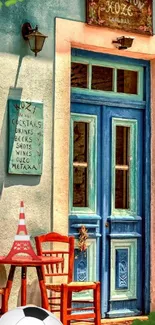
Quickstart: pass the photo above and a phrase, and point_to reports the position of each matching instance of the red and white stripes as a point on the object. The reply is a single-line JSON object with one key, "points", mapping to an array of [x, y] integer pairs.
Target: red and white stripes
{"points": [[21, 223]]}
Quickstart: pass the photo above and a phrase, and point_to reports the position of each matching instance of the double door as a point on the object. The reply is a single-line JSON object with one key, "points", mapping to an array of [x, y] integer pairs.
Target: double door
{"points": [[106, 192]]}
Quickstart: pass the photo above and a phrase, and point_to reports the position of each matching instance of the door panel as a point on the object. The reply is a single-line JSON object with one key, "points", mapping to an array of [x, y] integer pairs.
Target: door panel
{"points": [[122, 226], [114, 220]]}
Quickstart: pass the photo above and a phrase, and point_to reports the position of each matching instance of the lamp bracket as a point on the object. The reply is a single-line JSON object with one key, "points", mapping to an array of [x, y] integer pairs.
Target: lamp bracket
{"points": [[27, 29], [117, 42], [119, 46]]}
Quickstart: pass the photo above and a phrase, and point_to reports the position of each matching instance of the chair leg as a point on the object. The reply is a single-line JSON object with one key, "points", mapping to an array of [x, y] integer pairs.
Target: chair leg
{"points": [[64, 303], [97, 304], [69, 304]]}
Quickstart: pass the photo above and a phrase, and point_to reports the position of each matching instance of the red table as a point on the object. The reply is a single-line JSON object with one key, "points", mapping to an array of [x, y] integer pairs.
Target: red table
{"points": [[24, 262]]}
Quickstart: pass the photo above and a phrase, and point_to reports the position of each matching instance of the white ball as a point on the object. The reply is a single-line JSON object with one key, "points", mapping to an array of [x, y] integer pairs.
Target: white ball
{"points": [[29, 315]]}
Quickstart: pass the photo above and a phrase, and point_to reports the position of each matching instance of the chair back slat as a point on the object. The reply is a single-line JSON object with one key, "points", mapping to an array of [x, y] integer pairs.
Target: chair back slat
{"points": [[54, 241], [63, 264]]}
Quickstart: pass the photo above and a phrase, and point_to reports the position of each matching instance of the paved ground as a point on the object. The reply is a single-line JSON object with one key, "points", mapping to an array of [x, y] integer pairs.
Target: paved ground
{"points": [[117, 321], [122, 321]]}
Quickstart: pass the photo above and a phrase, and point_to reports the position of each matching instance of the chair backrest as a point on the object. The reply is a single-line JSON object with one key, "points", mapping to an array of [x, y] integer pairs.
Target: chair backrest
{"points": [[60, 246]]}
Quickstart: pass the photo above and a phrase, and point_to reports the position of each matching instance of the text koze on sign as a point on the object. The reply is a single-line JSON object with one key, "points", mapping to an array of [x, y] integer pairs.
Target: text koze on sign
{"points": [[130, 15]]}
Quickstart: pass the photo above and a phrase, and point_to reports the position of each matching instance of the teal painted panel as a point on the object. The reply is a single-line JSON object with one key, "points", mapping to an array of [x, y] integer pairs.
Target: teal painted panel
{"points": [[25, 137], [122, 269], [129, 264], [85, 268]]}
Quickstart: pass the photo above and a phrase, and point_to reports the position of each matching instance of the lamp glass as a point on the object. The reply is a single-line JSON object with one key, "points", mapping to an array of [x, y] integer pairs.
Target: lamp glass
{"points": [[36, 41]]}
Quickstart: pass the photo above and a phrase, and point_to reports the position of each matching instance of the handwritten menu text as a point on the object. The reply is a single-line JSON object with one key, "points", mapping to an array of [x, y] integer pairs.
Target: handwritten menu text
{"points": [[25, 137]]}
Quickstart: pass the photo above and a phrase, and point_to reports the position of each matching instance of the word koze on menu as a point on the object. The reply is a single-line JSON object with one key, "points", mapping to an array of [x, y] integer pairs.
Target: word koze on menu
{"points": [[129, 15], [25, 137]]}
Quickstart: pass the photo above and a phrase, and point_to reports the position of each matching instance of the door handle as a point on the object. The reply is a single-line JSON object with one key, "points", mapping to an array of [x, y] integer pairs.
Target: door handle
{"points": [[107, 224]]}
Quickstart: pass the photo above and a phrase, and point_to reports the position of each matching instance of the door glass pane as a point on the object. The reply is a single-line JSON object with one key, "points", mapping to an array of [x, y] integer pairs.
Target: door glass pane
{"points": [[80, 141], [122, 145], [80, 187], [78, 75], [80, 164], [127, 81], [122, 167], [121, 190], [102, 78]]}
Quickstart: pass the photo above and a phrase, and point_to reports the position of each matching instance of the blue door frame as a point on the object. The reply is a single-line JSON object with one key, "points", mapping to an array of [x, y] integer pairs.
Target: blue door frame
{"points": [[130, 108]]}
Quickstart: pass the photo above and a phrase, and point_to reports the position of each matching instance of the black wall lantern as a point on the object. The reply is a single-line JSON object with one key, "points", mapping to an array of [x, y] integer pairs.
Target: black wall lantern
{"points": [[34, 37], [123, 42]]}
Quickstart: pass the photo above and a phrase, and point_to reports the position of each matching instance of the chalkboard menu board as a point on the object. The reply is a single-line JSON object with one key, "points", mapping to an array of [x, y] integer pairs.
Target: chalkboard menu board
{"points": [[130, 15], [25, 137]]}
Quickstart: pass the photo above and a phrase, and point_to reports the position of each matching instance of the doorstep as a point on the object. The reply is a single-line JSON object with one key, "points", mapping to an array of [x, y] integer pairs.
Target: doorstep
{"points": [[122, 321], [115, 321]]}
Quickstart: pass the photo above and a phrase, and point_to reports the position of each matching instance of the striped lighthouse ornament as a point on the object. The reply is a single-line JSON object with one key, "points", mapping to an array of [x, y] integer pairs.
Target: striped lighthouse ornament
{"points": [[22, 243]]}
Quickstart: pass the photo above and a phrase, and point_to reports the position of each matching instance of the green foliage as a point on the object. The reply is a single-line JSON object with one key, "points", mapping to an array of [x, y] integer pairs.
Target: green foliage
{"points": [[149, 321], [9, 3]]}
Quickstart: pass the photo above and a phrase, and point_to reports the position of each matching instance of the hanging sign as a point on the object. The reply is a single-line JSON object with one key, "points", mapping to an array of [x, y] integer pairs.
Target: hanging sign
{"points": [[25, 137], [129, 15]]}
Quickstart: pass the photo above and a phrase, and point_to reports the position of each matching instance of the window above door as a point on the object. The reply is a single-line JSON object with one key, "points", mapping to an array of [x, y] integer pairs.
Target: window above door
{"points": [[110, 79]]}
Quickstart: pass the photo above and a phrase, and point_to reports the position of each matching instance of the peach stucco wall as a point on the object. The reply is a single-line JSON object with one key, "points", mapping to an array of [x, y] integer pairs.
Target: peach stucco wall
{"points": [[76, 34]]}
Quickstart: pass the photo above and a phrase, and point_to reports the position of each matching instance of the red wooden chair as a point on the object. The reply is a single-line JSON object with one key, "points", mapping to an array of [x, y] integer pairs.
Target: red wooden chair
{"points": [[63, 272], [84, 312], [66, 305], [4, 300]]}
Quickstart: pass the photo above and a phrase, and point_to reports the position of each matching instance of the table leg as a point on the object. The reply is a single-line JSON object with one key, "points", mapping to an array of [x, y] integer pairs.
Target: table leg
{"points": [[9, 282], [23, 286], [44, 297]]}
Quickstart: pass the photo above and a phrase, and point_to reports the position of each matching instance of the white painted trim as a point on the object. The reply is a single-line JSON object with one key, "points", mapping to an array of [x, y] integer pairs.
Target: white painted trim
{"points": [[22, 237], [21, 222]]}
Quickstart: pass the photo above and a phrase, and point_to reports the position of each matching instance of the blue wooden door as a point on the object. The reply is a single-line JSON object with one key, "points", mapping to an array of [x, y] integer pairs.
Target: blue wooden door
{"points": [[122, 212], [112, 204]]}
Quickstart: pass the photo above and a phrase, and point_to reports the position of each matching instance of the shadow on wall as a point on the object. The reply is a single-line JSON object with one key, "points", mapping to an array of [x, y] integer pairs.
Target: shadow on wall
{"points": [[14, 13], [33, 294]]}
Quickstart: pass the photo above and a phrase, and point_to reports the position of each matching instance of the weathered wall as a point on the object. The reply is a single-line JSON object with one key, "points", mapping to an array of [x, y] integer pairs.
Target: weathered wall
{"points": [[26, 77]]}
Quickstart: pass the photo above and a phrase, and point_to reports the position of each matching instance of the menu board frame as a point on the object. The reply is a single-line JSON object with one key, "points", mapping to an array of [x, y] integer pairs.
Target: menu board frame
{"points": [[25, 137], [128, 15]]}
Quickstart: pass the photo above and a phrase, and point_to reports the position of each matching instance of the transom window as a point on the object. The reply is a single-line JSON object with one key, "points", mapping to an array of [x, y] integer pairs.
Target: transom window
{"points": [[106, 78]]}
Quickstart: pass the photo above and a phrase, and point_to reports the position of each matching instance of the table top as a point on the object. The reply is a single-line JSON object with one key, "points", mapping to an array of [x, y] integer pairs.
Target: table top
{"points": [[21, 260]]}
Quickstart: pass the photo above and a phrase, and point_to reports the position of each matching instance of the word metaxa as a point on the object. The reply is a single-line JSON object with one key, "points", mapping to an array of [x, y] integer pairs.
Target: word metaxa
{"points": [[117, 8]]}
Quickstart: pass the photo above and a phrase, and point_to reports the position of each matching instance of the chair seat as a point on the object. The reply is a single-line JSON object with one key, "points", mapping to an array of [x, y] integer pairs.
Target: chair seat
{"points": [[79, 286], [80, 283], [53, 286]]}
